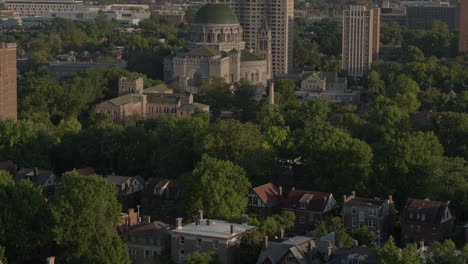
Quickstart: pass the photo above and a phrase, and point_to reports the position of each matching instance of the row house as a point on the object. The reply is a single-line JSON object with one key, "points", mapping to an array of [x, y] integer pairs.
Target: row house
{"points": [[377, 214], [426, 221], [128, 189]]}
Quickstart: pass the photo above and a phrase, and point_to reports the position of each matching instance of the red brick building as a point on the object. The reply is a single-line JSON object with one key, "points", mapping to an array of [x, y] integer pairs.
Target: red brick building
{"points": [[378, 215], [426, 220], [309, 207], [8, 86]]}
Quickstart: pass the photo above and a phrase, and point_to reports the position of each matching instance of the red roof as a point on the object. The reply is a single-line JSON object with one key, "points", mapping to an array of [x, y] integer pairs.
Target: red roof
{"points": [[315, 201], [269, 194], [434, 210]]}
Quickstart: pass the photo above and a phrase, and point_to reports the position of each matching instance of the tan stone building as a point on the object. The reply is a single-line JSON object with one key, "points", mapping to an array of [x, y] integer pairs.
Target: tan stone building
{"points": [[39, 7], [149, 103], [215, 48], [217, 236], [128, 85], [8, 85], [280, 16], [361, 39], [322, 81]]}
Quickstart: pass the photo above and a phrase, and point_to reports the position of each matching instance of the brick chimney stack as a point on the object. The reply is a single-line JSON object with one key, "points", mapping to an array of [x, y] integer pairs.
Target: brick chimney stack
{"points": [[36, 172], [200, 215], [265, 242], [233, 229]]}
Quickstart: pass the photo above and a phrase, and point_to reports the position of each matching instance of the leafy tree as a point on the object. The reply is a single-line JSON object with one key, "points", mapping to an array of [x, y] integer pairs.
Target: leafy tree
{"points": [[334, 160], [250, 246], [285, 92], [215, 186], [444, 253], [405, 93], [391, 33], [452, 131], [25, 221], [375, 86], [364, 236], [334, 224], [391, 254], [3, 259], [208, 257], [272, 225], [412, 53], [84, 232]]}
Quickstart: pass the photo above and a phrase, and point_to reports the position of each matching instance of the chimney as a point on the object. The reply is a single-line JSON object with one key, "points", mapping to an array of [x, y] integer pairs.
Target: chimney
{"points": [[179, 223], [208, 222], [421, 244], [244, 218], [344, 198], [390, 199], [200, 215], [265, 242], [280, 190], [293, 188], [353, 194], [233, 229], [50, 260], [36, 172], [310, 245], [355, 243], [281, 236], [329, 251]]}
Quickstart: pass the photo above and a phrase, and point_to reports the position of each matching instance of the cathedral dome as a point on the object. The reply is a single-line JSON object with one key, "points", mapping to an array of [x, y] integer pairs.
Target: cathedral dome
{"points": [[215, 14]]}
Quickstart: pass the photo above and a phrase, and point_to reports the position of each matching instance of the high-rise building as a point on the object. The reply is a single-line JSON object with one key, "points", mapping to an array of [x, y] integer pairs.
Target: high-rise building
{"points": [[8, 108], [463, 26], [361, 38], [421, 17], [279, 15]]}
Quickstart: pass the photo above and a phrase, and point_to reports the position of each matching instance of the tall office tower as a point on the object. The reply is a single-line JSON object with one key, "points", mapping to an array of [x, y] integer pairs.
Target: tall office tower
{"points": [[361, 38], [280, 18], [463, 26], [8, 108]]}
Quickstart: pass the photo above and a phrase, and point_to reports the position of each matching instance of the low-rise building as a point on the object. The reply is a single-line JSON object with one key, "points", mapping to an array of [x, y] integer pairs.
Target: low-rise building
{"points": [[265, 200], [426, 221], [158, 193], [147, 240], [204, 235], [128, 189], [376, 214], [46, 179], [321, 81], [298, 249], [309, 207], [354, 255]]}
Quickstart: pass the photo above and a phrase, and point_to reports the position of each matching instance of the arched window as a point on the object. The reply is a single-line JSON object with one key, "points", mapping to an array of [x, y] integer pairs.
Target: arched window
{"points": [[256, 76], [219, 37], [253, 76]]}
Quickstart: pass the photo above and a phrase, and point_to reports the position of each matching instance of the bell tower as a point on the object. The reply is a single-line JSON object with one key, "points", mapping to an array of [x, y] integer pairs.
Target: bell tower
{"points": [[264, 45]]}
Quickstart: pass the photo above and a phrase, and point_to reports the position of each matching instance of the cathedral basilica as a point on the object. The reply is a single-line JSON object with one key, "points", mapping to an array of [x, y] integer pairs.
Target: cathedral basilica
{"points": [[215, 48]]}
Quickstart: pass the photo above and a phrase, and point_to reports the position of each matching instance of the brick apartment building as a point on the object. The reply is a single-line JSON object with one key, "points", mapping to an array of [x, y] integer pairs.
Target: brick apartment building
{"points": [[218, 236], [378, 215], [8, 85], [426, 221], [309, 207]]}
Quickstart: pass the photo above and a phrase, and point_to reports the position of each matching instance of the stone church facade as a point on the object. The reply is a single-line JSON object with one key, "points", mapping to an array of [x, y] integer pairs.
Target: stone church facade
{"points": [[215, 48]]}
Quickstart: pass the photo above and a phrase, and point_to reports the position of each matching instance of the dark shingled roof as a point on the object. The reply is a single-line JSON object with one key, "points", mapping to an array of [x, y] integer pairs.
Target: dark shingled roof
{"points": [[154, 229], [434, 211], [316, 201], [269, 194], [215, 14], [366, 201]]}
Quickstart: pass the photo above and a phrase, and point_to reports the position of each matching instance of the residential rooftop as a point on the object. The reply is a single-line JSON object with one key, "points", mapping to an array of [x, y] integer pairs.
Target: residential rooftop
{"points": [[212, 228]]}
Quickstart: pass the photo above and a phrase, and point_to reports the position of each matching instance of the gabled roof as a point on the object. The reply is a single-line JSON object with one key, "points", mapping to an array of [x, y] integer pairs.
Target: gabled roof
{"points": [[154, 229], [269, 194], [161, 88], [316, 201], [117, 180], [433, 210], [38, 180], [249, 56], [84, 171], [203, 51], [366, 201]]}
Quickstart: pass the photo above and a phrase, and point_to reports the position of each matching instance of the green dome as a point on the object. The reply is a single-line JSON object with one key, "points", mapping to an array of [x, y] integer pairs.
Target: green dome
{"points": [[215, 14]]}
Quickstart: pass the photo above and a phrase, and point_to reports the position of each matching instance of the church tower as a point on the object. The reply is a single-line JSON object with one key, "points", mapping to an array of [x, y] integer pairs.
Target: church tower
{"points": [[264, 45]]}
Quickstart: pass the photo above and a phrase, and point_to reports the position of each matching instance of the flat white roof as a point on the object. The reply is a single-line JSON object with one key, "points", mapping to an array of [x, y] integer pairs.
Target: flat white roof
{"points": [[216, 229]]}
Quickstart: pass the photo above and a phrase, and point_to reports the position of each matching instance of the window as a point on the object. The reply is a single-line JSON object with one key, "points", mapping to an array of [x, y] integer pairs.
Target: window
{"points": [[423, 217], [252, 201], [372, 211], [418, 228], [215, 244], [372, 223], [182, 240], [147, 253], [182, 251], [302, 219], [290, 259], [155, 253], [434, 229], [353, 210], [199, 242], [411, 215]]}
